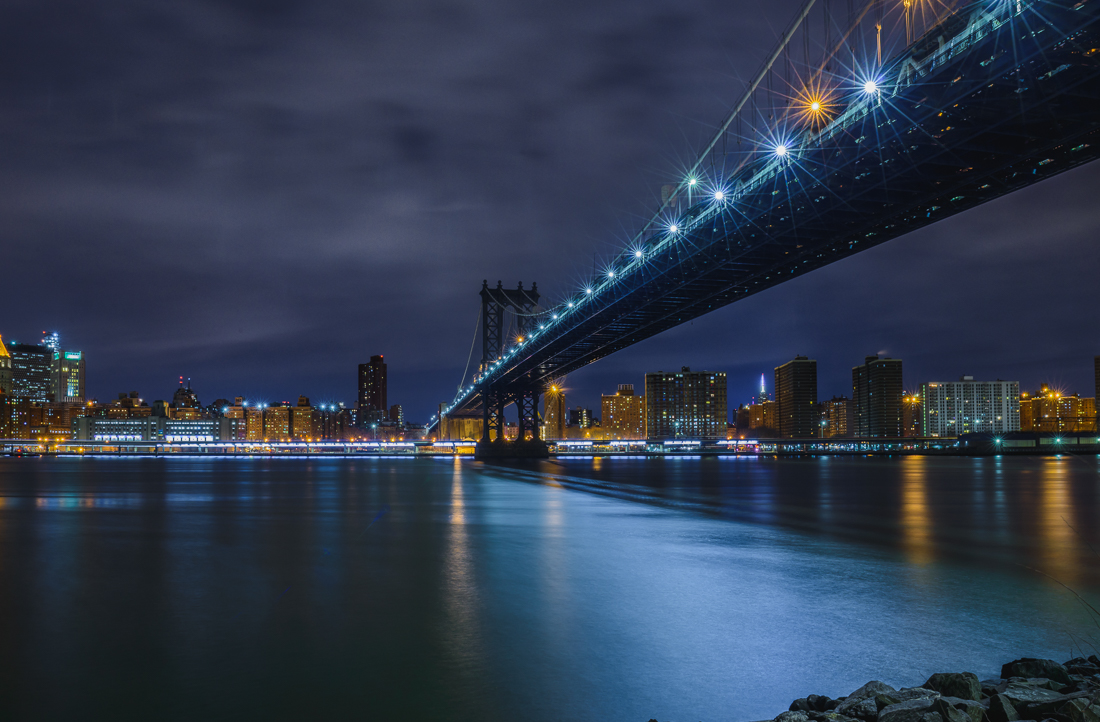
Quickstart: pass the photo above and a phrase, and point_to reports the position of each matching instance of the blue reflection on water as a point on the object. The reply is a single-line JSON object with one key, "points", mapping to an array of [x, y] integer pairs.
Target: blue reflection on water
{"points": [[617, 589]]}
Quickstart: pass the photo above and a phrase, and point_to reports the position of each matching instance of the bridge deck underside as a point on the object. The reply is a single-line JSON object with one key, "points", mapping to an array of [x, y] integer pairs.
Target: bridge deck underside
{"points": [[1018, 107]]}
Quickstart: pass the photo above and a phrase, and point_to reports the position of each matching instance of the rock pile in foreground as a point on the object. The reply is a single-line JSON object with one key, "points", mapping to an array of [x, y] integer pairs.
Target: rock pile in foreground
{"points": [[1028, 689]]}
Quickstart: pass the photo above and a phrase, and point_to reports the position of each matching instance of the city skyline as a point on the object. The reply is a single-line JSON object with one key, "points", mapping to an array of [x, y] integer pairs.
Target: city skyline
{"points": [[578, 395]]}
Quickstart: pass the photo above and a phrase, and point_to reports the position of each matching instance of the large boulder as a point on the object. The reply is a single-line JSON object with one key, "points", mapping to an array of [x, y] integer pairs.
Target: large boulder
{"points": [[865, 708], [948, 712], [1080, 710], [1001, 709], [1021, 695], [971, 708], [870, 690], [963, 685], [907, 693], [1032, 667], [792, 717], [912, 710], [1046, 707]]}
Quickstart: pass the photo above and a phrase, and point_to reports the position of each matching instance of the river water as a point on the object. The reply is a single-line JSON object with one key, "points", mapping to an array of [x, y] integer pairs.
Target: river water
{"points": [[582, 589]]}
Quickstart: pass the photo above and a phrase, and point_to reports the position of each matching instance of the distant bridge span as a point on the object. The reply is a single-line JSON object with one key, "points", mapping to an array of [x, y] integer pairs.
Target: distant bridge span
{"points": [[997, 96]]}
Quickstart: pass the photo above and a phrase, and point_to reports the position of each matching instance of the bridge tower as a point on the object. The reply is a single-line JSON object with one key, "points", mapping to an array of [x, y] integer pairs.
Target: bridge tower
{"points": [[495, 302]]}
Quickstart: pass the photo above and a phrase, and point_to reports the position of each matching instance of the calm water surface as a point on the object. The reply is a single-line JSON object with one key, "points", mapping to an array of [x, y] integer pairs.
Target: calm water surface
{"points": [[587, 589]]}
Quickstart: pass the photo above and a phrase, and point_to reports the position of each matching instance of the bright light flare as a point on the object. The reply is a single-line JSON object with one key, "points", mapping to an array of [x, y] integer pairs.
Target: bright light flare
{"points": [[870, 87], [814, 105], [638, 254], [674, 228], [719, 196], [781, 150]]}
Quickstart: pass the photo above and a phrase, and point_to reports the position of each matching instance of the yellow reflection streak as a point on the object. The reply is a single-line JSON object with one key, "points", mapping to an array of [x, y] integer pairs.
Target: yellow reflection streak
{"points": [[916, 524], [1059, 546]]}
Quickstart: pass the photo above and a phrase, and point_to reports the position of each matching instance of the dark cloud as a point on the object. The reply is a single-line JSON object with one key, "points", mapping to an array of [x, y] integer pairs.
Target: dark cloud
{"points": [[260, 195]]}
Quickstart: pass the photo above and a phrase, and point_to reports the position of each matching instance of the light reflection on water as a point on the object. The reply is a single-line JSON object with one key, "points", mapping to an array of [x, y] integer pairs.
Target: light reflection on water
{"points": [[623, 589], [916, 523]]}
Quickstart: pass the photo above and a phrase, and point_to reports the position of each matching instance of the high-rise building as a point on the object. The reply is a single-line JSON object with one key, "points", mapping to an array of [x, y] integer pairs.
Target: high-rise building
{"points": [[5, 370], [277, 423], [687, 404], [372, 392], [254, 422], [397, 415], [301, 420], [876, 398], [185, 404], [553, 419], [32, 372], [967, 406], [236, 414], [622, 415], [838, 417], [67, 373], [796, 399]]}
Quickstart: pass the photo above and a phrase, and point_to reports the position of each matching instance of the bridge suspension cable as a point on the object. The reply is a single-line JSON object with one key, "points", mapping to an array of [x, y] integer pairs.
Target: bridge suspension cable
{"points": [[765, 72]]}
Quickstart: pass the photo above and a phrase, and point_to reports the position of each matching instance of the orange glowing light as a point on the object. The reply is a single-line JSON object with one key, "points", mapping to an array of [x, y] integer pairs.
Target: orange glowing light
{"points": [[814, 105]]}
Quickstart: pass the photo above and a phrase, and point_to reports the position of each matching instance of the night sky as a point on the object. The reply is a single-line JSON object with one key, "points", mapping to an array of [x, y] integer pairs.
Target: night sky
{"points": [[261, 195]]}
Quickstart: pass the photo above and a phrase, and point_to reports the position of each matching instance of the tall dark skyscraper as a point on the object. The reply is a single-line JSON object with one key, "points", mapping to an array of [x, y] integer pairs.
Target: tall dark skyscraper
{"points": [[797, 415], [876, 398], [32, 371], [372, 392]]}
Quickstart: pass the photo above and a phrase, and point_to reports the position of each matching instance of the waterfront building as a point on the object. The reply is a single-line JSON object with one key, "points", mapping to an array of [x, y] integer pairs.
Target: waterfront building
{"points": [[967, 406], [235, 413], [397, 415], [372, 392], [876, 398], [553, 417], [152, 428], [622, 415], [6, 378], [277, 423], [67, 377], [1052, 411], [797, 415], [32, 371], [838, 417], [301, 420], [686, 404], [254, 422]]}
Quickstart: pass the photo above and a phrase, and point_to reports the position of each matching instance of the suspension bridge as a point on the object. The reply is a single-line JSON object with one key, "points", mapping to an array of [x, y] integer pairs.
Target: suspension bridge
{"points": [[817, 161]]}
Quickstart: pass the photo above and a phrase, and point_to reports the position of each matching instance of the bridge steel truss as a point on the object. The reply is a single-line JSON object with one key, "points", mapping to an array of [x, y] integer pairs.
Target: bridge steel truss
{"points": [[991, 100]]}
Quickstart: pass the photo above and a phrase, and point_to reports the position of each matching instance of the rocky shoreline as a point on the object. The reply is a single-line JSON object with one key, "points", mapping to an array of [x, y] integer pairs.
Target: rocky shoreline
{"points": [[1028, 689]]}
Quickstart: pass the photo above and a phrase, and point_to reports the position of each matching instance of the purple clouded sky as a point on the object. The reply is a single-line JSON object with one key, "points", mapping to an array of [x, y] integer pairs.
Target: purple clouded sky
{"points": [[261, 195]]}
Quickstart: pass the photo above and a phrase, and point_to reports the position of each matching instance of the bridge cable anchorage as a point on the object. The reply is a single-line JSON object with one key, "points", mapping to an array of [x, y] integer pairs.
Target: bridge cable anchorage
{"points": [[748, 94]]}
